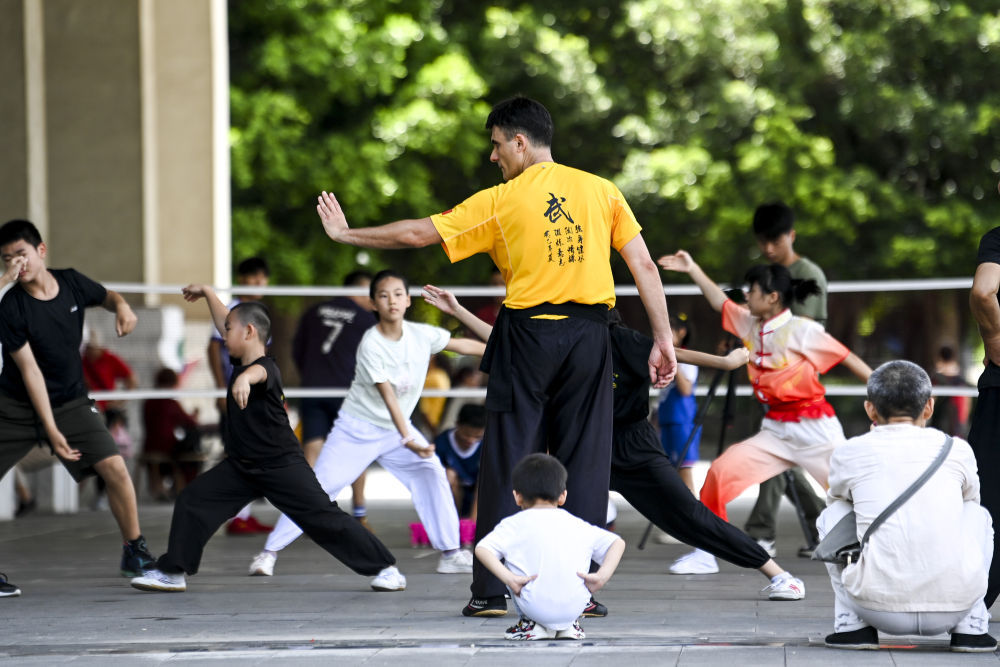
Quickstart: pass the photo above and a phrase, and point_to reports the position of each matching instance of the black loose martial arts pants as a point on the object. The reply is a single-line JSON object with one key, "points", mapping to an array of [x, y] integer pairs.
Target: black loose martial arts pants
{"points": [[984, 436], [559, 377], [218, 494], [643, 474]]}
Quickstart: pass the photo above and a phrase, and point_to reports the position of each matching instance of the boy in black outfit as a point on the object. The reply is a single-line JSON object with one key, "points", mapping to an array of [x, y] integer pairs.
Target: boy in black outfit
{"points": [[263, 459], [42, 392]]}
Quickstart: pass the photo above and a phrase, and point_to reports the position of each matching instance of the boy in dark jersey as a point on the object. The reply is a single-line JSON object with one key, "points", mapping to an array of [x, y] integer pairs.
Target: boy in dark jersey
{"points": [[263, 459], [42, 391]]}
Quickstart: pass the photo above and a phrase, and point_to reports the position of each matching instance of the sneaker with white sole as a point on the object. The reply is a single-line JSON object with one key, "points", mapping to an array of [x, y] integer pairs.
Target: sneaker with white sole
{"points": [[696, 562], [7, 589], [389, 579], [262, 564], [572, 632], [789, 588], [459, 562], [155, 580], [527, 630], [768, 546], [136, 558]]}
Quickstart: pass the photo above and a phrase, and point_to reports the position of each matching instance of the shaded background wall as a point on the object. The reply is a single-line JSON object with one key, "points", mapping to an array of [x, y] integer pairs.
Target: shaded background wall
{"points": [[114, 142]]}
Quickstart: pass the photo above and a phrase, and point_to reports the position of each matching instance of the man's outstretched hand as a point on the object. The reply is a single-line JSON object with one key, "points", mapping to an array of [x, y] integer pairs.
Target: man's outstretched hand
{"points": [[332, 216]]}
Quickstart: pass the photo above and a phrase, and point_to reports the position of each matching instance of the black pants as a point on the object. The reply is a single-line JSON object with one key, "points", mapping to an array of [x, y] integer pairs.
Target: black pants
{"points": [[642, 473], [984, 436], [561, 379], [217, 495]]}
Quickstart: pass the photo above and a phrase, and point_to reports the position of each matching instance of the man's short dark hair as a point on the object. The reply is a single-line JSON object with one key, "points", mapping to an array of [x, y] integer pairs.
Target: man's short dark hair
{"points": [[773, 219], [522, 115], [355, 278], [539, 477], [471, 415], [899, 389], [255, 313], [385, 274], [20, 230], [252, 266]]}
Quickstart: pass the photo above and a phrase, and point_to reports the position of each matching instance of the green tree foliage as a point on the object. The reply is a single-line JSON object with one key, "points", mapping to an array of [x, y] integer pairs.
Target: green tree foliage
{"points": [[877, 120]]}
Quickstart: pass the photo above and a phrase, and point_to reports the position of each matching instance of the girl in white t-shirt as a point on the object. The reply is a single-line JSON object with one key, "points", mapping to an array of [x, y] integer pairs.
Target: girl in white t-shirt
{"points": [[374, 425], [546, 554]]}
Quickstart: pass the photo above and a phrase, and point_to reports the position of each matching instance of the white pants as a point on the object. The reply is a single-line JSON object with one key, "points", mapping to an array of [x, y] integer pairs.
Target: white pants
{"points": [[849, 615], [776, 448], [351, 447], [553, 615]]}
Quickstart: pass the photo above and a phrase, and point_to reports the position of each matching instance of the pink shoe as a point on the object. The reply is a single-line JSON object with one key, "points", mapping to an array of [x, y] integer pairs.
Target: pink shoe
{"points": [[418, 535], [467, 532]]}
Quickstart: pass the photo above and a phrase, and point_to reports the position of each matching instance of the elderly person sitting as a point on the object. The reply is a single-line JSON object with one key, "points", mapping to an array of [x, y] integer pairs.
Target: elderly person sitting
{"points": [[923, 571]]}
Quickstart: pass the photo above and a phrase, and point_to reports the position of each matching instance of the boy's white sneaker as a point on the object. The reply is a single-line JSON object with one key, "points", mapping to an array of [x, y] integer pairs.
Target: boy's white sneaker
{"points": [[696, 562], [388, 580], [459, 562], [789, 588], [262, 564], [572, 632], [527, 630], [154, 580]]}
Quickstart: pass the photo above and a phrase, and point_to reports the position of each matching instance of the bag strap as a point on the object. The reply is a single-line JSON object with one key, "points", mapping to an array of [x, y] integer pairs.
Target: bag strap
{"points": [[903, 497]]}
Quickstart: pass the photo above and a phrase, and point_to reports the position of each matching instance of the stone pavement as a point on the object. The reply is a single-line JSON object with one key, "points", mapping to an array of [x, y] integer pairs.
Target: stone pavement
{"points": [[76, 609]]}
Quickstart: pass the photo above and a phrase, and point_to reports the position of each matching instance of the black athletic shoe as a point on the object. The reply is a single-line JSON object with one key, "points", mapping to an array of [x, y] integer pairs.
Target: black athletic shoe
{"points": [[136, 558], [595, 609], [25, 506], [492, 606], [962, 643], [865, 638], [7, 589]]}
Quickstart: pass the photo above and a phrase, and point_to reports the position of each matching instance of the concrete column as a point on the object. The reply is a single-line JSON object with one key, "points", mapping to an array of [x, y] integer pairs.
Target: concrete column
{"points": [[185, 106], [13, 111]]}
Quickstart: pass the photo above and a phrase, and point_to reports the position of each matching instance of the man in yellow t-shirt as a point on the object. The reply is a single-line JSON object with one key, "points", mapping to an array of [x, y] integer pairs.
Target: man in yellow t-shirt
{"points": [[549, 229]]}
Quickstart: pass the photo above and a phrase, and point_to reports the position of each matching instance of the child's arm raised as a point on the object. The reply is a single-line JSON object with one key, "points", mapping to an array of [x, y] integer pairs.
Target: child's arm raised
{"points": [[682, 262], [595, 580], [732, 361], [446, 302], [512, 581], [215, 307], [388, 395], [853, 363], [466, 346], [255, 374]]}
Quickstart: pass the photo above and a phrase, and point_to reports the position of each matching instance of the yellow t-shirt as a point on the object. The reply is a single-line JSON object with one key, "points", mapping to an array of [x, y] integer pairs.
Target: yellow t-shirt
{"points": [[550, 231]]}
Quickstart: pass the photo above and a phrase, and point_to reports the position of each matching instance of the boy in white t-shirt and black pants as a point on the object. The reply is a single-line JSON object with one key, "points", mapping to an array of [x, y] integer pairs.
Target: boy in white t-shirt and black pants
{"points": [[374, 425], [546, 554]]}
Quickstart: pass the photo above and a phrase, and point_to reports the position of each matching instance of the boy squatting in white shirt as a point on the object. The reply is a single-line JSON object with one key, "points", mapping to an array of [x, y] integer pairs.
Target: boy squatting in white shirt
{"points": [[373, 424], [547, 553]]}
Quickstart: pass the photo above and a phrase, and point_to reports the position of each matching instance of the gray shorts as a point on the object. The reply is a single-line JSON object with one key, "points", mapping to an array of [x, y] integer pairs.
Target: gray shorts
{"points": [[78, 420]]}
